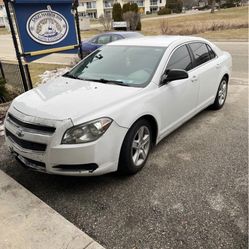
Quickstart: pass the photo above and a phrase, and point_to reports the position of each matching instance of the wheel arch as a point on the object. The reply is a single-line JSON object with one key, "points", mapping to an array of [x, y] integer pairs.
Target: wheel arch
{"points": [[226, 75], [154, 125]]}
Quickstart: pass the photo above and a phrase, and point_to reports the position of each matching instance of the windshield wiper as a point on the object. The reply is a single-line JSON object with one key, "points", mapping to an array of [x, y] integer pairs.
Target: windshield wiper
{"points": [[105, 81], [68, 75]]}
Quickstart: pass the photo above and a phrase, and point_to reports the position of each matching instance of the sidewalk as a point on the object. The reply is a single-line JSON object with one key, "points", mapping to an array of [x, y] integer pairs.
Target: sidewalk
{"points": [[28, 223]]}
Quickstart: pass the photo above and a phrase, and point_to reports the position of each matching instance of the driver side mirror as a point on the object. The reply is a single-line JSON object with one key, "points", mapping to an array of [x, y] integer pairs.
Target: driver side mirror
{"points": [[173, 74]]}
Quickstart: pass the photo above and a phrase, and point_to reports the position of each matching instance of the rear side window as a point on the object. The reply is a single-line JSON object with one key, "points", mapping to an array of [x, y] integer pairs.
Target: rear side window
{"points": [[201, 53], [104, 39], [94, 40], [116, 37], [211, 52], [180, 59]]}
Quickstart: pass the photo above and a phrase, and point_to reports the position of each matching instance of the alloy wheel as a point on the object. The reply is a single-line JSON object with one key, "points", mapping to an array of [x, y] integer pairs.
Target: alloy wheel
{"points": [[140, 146], [222, 92]]}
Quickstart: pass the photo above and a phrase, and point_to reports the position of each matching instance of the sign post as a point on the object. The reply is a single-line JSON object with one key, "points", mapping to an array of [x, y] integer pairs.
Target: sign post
{"points": [[44, 27], [18, 54], [75, 6]]}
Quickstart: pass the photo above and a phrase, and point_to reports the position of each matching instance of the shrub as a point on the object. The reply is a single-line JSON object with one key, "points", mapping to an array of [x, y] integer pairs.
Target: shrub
{"points": [[134, 7], [131, 16], [126, 7], [174, 5], [106, 21], [228, 5], [164, 11], [2, 89], [206, 7], [164, 26], [117, 12], [139, 25]]}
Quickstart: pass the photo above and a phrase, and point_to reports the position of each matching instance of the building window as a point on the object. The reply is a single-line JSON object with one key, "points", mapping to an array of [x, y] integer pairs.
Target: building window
{"points": [[153, 2], [92, 14], [91, 5], [140, 3], [153, 9], [108, 4]]}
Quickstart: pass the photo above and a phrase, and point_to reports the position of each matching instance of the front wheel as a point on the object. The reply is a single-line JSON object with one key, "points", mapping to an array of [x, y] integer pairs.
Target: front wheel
{"points": [[136, 148], [221, 95]]}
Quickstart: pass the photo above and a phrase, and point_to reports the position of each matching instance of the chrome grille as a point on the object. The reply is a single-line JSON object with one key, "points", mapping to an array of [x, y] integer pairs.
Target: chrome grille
{"points": [[29, 145], [35, 127]]}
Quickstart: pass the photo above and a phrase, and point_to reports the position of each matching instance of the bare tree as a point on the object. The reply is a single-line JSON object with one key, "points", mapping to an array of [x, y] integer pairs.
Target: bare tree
{"points": [[164, 26], [106, 21], [132, 18], [212, 6]]}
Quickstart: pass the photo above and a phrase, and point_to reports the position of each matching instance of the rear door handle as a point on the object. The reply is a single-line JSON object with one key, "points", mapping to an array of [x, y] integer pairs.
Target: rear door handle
{"points": [[194, 78], [218, 65]]}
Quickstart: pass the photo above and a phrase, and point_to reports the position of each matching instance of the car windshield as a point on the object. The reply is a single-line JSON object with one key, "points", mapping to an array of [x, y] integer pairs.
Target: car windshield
{"points": [[122, 65]]}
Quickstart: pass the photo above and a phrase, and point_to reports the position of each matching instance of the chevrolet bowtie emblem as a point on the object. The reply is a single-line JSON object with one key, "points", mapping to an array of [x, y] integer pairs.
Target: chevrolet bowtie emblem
{"points": [[19, 133]]}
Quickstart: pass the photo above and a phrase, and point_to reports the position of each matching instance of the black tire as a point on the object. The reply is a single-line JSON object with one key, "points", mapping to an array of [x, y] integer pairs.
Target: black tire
{"points": [[126, 164], [217, 105]]}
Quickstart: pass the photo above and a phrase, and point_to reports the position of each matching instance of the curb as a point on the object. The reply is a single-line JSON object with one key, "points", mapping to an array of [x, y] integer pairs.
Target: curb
{"points": [[28, 223]]}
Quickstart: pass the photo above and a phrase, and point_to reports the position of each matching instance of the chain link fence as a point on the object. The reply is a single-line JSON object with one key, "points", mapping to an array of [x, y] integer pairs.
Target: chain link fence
{"points": [[10, 71]]}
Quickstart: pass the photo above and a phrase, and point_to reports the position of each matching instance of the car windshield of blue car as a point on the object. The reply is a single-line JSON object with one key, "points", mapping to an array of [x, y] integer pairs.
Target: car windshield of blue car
{"points": [[121, 65]]}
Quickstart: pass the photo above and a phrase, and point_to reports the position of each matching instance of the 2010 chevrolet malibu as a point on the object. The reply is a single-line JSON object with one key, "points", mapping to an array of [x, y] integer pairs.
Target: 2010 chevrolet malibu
{"points": [[108, 111]]}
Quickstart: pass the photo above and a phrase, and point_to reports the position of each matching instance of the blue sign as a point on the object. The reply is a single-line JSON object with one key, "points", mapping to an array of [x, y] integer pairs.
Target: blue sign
{"points": [[46, 26]]}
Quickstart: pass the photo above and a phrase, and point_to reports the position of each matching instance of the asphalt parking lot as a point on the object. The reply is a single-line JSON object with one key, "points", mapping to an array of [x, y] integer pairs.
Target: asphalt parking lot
{"points": [[191, 194]]}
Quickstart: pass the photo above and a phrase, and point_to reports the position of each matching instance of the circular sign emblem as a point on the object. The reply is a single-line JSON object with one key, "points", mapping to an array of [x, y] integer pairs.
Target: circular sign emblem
{"points": [[47, 27]]}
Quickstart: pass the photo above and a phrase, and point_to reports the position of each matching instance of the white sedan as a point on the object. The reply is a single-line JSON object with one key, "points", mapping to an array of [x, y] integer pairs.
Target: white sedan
{"points": [[110, 109]]}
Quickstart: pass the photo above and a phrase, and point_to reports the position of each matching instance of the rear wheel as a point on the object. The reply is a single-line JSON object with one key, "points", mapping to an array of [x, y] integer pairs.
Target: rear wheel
{"points": [[221, 95], [136, 148]]}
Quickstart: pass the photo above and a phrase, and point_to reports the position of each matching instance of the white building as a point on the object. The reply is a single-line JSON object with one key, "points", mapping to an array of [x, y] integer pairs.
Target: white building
{"points": [[95, 8], [1, 14]]}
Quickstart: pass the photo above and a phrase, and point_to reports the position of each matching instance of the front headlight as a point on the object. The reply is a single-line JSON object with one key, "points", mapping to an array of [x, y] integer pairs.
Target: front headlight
{"points": [[86, 132]]}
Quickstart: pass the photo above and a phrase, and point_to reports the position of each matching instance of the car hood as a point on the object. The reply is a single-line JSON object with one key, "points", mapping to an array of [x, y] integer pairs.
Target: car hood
{"points": [[65, 98]]}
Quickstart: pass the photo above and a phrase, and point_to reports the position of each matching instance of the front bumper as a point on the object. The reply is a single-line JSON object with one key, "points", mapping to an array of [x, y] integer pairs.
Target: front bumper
{"points": [[94, 158]]}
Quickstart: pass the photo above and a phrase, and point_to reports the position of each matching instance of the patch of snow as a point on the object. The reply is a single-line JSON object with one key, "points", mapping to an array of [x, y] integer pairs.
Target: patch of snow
{"points": [[53, 74]]}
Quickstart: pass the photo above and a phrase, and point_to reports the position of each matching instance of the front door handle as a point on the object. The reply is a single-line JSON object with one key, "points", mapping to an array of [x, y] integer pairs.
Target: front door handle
{"points": [[194, 78]]}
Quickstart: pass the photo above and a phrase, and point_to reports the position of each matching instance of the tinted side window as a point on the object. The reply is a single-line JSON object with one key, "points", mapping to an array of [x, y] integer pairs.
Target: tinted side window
{"points": [[180, 59], [211, 52], [94, 40], [104, 39], [200, 51], [116, 37]]}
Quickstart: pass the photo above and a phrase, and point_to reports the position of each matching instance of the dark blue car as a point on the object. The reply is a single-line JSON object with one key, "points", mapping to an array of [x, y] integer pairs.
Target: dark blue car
{"points": [[97, 41]]}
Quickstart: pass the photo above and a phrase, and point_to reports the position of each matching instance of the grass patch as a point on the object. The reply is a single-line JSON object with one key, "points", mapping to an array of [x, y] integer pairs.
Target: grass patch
{"points": [[37, 69], [90, 33], [224, 35], [186, 25], [4, 31]]}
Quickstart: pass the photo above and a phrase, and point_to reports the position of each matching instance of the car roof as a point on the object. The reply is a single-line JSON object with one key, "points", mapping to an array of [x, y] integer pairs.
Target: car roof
{"points": [[156, 41], [124, 33]]}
